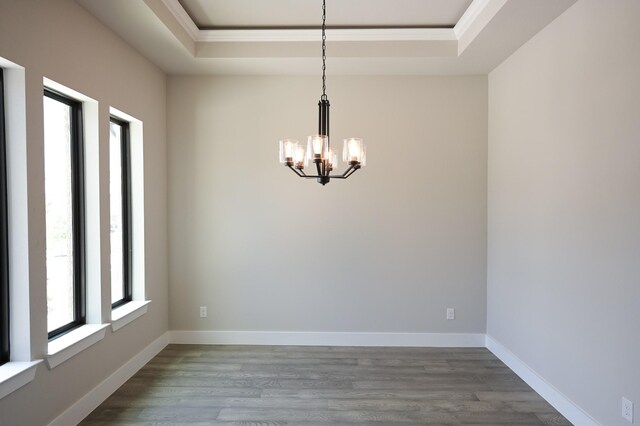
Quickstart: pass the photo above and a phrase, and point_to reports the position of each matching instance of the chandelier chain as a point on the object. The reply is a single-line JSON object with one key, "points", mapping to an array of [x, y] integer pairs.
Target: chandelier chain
{"points": [[324, 51]]}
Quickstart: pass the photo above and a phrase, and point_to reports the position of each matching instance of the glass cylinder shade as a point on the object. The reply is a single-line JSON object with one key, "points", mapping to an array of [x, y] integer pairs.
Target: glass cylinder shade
{"points": [[353, 151], [299, 157], [317, 147], [287, 150], [332, 159]]}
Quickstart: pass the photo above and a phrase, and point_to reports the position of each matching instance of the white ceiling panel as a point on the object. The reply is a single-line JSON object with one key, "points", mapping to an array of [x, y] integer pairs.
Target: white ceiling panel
{"points": [[212, 14]]}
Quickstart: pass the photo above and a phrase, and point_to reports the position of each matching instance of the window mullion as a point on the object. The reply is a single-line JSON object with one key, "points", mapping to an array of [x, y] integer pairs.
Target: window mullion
{"points": [[126, 212], [77, 166], [4, 238]]}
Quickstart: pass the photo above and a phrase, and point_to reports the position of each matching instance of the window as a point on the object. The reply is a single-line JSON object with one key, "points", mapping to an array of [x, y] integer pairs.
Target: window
{"points": [[65, 228], [120, 229], [126, 187], [4, 237]]}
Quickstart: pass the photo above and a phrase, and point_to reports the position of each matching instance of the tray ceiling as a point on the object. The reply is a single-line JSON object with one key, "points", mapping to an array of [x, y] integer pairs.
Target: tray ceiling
{"points": [[370, 37], [217, 14]]}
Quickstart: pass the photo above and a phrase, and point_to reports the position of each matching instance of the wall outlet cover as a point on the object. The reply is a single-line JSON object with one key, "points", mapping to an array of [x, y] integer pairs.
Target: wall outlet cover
{"points": [[203, 311], [451, 313], [627, 409]]}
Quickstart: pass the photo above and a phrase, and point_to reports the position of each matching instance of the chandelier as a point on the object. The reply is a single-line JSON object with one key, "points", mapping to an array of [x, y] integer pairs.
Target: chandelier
{"points": [[319, 151]]}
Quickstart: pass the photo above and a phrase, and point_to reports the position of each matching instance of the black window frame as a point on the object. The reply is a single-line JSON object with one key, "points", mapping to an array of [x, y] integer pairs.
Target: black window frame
{"points": [[78, 213], [5, 347], [127, 235]]}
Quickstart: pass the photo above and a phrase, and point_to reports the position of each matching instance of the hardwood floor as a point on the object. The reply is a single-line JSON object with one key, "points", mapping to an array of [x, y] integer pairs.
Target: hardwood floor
{"points": [[281, 385]]}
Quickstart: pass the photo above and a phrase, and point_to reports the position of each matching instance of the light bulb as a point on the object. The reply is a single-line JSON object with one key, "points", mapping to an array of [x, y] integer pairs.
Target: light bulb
{"points": [[300, 159], [353, 150], [317, 146], [287, 149]]}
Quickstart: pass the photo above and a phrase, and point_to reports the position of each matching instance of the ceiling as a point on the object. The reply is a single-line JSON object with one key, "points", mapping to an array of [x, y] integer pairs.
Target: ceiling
{"points": [[212, 14], [369, 37]]}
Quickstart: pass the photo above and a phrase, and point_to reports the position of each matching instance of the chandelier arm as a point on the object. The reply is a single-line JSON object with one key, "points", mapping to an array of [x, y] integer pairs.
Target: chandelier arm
{"points": [[355, 169], [296, 171], [348, 170], [351, 170], [316, 176]]}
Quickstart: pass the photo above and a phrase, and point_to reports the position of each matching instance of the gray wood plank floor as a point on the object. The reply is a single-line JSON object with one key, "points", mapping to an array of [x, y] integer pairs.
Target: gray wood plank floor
{"points": [[283, 385]]}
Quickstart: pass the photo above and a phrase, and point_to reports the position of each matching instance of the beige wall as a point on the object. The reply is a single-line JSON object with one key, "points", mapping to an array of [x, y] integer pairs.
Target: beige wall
{"points": [[564, 205], [61, 41], [385, 251]]}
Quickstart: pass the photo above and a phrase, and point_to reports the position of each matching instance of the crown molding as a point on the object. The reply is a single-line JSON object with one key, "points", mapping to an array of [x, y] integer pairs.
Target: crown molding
{"points": [[183, 18], [475, 18], [381, 34], [479, 10], [469, 16]]}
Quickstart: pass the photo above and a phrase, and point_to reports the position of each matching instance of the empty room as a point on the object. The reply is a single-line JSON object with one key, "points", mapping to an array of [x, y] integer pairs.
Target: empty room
{"points": [[319, 212]]}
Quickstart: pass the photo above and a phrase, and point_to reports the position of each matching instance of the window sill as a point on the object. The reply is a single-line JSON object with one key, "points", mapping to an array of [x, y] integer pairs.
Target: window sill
{"points": [[126, 313], [74, 342], [14, 375]]}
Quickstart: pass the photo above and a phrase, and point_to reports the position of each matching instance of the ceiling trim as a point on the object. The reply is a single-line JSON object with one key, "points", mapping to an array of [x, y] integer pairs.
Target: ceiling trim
{"points": [[486, 34], [479, 11], [469, 16], [475, 18], [183, 18], [382, 34]]}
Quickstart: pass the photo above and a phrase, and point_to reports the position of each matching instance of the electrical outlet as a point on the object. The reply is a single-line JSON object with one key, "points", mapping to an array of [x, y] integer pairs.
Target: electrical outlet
{"points": [[451, 313], [203, 311], [627, 409]]}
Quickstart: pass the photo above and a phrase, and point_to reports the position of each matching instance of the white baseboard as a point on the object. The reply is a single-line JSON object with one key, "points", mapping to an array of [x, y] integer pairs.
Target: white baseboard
{"points": [[83, 407], [553, 396], [327, 339]]}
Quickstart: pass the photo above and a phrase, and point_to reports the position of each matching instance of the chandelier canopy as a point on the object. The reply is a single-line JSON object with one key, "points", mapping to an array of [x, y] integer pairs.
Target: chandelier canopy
{"points": [[319, 151]]}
